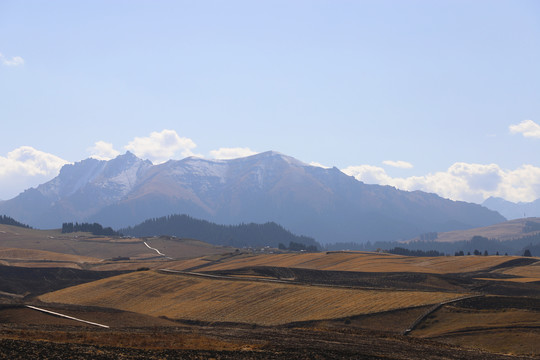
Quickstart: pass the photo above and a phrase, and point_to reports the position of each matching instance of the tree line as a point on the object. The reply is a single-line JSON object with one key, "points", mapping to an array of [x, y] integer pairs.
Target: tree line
{"points": [[6, 220], [294, 246], [94, 228], [478, 245], [407, 252]]}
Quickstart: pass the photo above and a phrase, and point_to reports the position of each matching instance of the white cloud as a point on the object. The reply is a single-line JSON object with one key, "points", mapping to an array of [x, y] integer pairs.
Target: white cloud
{"points": [[25, 167], [369, 174], [527, 128], [398, 164], [14, 61], [161, 146], [231, 153], [462, 181], [103, 151]]}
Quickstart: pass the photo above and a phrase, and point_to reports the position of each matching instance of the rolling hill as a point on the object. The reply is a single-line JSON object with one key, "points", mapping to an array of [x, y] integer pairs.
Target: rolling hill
{"points": [[206, 299]]}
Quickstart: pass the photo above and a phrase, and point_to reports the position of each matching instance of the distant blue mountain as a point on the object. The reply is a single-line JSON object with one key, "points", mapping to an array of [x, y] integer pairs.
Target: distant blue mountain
{"points": [[511, 210], [321, 203]]}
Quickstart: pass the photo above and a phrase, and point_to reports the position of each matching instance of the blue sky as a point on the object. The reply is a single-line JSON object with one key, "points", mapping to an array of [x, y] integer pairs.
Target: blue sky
{"points": [[414, 94]]}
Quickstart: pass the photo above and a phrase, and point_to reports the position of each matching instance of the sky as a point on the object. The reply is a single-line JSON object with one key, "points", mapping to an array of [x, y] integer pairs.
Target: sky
{"points": [[441, 96]]}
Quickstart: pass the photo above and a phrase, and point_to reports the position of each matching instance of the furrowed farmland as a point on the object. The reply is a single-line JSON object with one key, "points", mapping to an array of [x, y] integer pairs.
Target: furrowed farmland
{"points": [[85, 296], [197, 298]]}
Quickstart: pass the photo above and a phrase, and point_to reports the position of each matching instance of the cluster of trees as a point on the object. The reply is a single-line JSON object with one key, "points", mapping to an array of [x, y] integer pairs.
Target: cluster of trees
{"points": [[476, 253], [95, 229], [407, 252], [6, 220], [243, 235], [294, 246], [515, 246]]}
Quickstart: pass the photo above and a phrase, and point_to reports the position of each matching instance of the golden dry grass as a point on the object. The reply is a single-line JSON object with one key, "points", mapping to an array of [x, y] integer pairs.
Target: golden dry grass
{"points": [[503, 231], [87, 245], [358, 261], [195, 298], [512, 331], [9, 254], [530, 271], [447, 321], [514, 342]]}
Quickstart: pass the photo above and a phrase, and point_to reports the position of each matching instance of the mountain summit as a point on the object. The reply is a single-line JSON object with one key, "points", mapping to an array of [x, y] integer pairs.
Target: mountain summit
{"points": [[322, 203]]}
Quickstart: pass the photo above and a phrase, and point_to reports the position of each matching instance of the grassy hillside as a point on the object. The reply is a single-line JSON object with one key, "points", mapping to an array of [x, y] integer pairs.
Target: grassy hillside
{"points": [[327, 294], [77, 248], [500, 324], [355, 261], [504, 231], [203, 299]]}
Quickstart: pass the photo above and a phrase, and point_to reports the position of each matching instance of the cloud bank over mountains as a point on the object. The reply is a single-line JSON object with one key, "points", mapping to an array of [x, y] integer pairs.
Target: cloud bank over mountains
{"points": [[25, 167], [462, 181]]}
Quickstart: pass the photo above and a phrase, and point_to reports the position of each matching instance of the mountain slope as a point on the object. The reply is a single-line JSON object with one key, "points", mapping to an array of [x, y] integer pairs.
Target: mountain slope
{"points": [[321, 203], [80, 190], [512, 210], [244, 235]]}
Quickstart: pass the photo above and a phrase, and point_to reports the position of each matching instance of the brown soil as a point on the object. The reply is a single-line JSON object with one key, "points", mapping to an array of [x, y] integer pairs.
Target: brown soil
{"points": [[226, 342]]}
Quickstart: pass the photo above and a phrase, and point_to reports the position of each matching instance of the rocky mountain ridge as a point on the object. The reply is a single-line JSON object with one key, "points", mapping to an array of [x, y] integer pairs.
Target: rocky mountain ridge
{"points": [[325, 204]]}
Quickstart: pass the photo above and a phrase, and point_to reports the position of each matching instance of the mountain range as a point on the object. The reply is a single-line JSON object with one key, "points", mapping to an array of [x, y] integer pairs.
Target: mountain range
{"points": [[325, 204], [511, 210]]}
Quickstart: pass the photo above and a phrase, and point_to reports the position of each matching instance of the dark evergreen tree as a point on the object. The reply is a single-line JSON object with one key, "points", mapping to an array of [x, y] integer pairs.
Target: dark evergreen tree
{"points": [[95, 229], [6, 220], [407, 252]]}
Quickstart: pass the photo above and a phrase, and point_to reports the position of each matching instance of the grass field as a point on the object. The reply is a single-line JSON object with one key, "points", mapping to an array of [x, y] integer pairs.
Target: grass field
{"points": [[504, 231], [356, 261], [29, 255], [35, 246], [195, 298], [239, 298], [509, 332]]}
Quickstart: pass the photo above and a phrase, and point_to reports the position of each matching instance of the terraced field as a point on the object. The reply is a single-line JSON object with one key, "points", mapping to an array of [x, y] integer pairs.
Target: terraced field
{"points": [[211, 300]]}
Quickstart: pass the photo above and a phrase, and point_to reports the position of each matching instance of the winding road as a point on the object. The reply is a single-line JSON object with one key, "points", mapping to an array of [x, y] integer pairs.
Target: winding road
{"points": [[156, 250]]}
